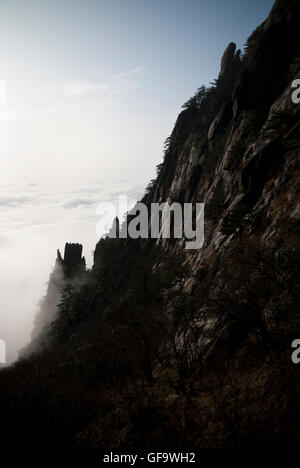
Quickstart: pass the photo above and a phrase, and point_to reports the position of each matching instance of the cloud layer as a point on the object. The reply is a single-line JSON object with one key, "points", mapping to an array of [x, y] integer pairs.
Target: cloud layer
{"points": [[37, 219]]}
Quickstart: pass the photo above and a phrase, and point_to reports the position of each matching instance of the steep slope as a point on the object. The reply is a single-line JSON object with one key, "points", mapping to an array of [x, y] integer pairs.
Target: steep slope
{"points": [[164, 346]]}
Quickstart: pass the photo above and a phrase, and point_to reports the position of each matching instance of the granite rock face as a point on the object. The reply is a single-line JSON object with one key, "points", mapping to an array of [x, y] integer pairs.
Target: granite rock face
{"points": [[236, 135]]}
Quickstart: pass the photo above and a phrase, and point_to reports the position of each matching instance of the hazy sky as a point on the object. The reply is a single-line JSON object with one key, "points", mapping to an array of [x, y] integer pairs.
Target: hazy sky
{"points": [[96, 85], [89, 91]]}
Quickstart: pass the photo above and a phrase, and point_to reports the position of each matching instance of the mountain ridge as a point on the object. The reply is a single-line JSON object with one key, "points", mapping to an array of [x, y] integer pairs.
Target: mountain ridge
{"points": [[162, 346]]}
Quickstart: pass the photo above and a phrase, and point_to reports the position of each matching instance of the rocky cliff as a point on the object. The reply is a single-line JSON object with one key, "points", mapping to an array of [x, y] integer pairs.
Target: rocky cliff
{"points": [[68, 274]]}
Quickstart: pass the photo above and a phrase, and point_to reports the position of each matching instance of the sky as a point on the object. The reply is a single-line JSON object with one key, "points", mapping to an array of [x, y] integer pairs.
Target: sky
{"points": [[89, 91]]}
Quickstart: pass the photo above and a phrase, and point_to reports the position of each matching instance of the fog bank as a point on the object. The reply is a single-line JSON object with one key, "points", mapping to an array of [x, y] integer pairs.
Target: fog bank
{"points": [[37, 219]]}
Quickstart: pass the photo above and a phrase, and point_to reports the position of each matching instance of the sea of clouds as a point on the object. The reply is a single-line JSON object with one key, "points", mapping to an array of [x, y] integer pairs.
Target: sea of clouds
{"points": [[36, 219]]}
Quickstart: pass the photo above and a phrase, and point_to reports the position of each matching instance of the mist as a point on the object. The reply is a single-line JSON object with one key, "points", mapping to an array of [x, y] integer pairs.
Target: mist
{"points": [[37, 219]]}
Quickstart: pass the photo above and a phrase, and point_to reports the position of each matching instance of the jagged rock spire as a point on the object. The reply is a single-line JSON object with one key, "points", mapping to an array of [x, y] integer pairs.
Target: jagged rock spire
{"points": [[227, 59]]}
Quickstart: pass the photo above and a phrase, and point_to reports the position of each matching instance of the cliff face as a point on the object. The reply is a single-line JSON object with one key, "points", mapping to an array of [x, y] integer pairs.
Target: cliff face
{"points": [[163, 345]]}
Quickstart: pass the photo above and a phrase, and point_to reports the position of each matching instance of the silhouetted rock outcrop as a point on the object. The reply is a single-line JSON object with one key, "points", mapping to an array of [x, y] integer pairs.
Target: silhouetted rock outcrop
{"points": [[159, 344], [73, 263], [68, 271]]}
